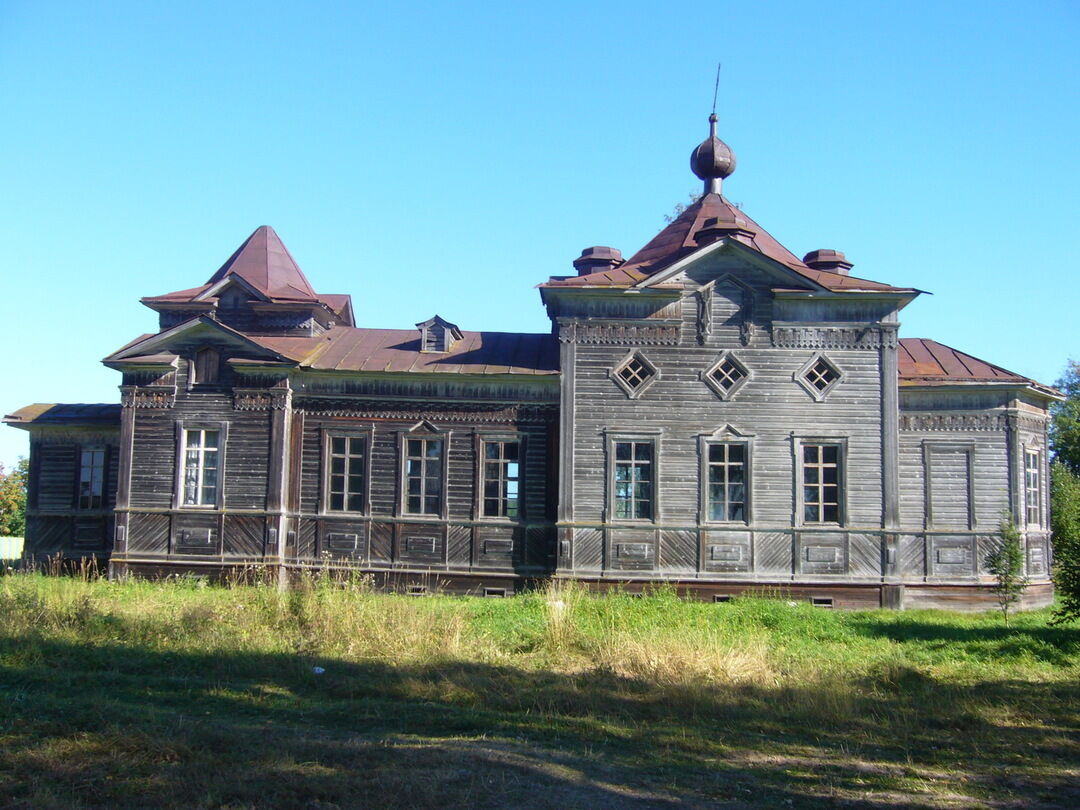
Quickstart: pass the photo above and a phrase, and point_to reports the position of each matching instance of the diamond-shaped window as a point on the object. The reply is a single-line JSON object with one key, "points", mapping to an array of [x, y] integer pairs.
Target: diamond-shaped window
{"points": [[634, 374], [726, 376], [818, 376]]}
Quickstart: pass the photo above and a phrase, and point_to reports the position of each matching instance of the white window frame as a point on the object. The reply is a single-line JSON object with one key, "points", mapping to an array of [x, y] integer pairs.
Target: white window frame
{"points": [[818, 395], [630, 391], [799, 443], [726, 436], [329, 434], [423, 431], [1033, 497], [614, 437], [182, 430], [482, 440]]}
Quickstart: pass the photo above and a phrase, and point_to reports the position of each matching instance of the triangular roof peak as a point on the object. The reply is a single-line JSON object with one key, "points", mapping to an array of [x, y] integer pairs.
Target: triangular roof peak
{"points": [[265, 263]]}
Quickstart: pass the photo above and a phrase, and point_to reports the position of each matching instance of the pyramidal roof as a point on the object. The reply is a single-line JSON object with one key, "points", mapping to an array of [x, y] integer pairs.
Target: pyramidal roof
{"points": [[680, 239], [265, 263]]}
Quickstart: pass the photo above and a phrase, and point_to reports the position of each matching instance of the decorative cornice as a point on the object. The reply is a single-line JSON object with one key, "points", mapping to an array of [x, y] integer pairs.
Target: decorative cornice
{"points": [[1033, 423], [132, 396], [620, 333], [938, 422], [261, 399], [441, 412], [834, 337]]}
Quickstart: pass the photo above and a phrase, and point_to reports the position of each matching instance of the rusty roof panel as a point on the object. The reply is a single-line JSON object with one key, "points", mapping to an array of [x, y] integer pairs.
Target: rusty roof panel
{"points": [[927, 360], [398, 350]]}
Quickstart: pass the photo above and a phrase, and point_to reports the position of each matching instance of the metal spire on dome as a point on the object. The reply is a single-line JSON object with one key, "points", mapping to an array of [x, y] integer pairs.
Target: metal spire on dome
{"points": [[712, 160]]}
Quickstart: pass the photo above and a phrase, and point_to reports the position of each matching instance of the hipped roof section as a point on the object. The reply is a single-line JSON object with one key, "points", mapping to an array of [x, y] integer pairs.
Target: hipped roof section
{"points": [[677, 241], [265, 265], [926, 362]]}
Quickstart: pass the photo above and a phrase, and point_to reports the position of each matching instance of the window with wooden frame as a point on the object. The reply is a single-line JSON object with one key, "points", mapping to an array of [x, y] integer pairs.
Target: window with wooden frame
{"points": [[346, 473], [1033, 487], [822, 482], [91, 489], [500, 478], [424, 473], [633, 479], [726, 482], [205, 369], [201, 466]]}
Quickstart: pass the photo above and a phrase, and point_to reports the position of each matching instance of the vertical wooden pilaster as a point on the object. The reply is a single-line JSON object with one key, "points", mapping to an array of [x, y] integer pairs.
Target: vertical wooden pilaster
{"points": [[277, 495]]}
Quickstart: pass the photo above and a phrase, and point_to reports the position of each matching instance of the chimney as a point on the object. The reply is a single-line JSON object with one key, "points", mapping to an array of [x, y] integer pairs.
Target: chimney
{"points": [[830, 260], [597, 258]]}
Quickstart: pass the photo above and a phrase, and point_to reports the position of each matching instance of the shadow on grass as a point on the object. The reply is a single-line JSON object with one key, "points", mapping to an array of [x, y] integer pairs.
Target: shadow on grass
{"points": [[1059, 646], [120, 726]]}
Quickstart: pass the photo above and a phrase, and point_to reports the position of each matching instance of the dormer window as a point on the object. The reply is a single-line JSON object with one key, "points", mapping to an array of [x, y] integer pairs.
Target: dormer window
{"points": [[206, 366], [438, 335]]}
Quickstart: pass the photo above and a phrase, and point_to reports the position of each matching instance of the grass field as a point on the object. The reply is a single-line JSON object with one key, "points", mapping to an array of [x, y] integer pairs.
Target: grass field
{"points": [[178, 694]]}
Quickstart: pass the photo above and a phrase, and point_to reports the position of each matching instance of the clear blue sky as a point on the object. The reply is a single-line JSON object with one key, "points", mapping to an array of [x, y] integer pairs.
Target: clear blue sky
{"points": [[448, 157]]}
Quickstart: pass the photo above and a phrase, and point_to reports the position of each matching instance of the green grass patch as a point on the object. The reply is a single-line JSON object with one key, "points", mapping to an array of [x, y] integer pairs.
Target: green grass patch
{"points": [[182, 694]]}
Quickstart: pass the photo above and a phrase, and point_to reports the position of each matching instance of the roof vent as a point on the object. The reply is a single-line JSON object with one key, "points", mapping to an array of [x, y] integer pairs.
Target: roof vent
{"points": [[597, 258], [831, 260], [438, 335]]}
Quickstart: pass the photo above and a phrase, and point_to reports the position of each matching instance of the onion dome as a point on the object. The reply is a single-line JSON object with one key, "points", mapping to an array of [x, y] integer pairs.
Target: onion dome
{"points": [[712, 160]]}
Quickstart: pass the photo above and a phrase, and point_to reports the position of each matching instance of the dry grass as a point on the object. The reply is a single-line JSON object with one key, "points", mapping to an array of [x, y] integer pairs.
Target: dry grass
{"points": [[182, 694]]}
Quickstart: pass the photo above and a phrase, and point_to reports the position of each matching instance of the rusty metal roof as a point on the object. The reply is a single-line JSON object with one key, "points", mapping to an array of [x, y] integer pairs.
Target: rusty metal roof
{"points": [[927, 362], [677, 240], [266, 265], [398, 350], [51, 413]]}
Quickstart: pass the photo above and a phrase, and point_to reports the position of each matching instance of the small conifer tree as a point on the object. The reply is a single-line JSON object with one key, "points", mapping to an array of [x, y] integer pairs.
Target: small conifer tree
{"points": [[1006, 563], [1065, 522]]}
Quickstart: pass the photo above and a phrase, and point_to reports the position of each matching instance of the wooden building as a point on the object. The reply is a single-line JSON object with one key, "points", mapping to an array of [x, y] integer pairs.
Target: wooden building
{"points": [[712, 412]]}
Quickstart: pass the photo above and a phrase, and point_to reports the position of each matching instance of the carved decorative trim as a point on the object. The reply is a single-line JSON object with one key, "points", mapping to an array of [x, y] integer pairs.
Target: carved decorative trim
{"points": [[448, 412], [620, 333], [829, 337], [938, 422], [1037, 424], [133, 397], [248, 399], [704, 313]]}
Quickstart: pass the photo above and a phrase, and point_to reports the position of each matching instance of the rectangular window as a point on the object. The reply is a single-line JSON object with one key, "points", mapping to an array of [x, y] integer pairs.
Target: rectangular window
{"points": [[502, 479], [347, 465], [92, 478], [201, 467], [1032, 490], [726, 485], [423, 476], [633, 490], [822, 491]]}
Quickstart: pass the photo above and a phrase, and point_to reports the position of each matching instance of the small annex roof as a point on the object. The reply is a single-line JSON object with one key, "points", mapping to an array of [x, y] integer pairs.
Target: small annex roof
{"points": [[678, 240], [926, 362], [398, 350], [70, 414]]}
